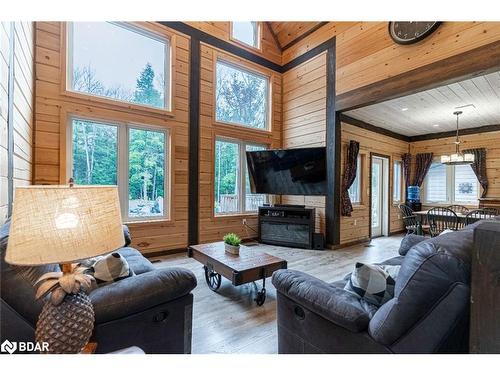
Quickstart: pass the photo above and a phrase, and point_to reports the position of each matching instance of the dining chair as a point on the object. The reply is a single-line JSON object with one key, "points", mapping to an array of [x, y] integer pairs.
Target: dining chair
{"points": [[410, 220], [481, 213], [440, 219], [458, 208]]}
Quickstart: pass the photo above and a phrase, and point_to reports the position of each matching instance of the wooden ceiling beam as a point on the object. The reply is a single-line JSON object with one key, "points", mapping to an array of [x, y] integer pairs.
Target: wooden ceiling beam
{"points": [[275, 38]]}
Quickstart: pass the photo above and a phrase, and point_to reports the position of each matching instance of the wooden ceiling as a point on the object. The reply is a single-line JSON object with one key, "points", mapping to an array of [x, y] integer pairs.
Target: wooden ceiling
{"points": [[289, 33], [431, 111]]}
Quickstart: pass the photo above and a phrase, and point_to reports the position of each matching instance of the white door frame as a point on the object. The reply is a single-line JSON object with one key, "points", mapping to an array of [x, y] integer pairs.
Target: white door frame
{"points": [[383, 228]]}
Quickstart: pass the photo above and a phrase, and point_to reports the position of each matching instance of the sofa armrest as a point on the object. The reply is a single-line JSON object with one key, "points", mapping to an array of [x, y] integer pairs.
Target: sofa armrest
{"points": [[332, 303], [140, 292], [126, 235]]}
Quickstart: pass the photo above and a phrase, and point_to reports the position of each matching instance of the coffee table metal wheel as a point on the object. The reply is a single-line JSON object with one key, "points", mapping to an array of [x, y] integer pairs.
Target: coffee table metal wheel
{"points": [[212, 278], [261, 297]]}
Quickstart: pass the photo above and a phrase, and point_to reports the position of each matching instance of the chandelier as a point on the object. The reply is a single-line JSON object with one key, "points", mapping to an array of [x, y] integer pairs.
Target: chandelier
{"points": [[457, 158]]}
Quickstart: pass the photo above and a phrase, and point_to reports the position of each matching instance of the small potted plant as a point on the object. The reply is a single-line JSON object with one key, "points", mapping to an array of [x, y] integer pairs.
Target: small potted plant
{"points": [[232, 243]]}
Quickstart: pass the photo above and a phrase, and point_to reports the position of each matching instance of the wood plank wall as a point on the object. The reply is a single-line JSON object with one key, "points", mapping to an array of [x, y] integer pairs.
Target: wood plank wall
{"points": [[356, 227], [490, 141], [23, 94], [304, 119], [53, 108], [366, 53], [213, 228], [269, 48]]}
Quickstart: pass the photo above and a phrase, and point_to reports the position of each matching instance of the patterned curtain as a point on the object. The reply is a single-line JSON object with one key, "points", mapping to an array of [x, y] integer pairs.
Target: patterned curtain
{"points": [[479, 167], [422, 165], [406, 159], [350, 167]]}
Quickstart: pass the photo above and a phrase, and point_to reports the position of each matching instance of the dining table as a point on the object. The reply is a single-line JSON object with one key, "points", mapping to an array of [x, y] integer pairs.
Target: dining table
{"points": [[422, 217]]}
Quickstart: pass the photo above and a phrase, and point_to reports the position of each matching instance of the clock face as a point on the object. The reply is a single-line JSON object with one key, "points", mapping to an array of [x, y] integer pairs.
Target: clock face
{"points": [[411, 32]]}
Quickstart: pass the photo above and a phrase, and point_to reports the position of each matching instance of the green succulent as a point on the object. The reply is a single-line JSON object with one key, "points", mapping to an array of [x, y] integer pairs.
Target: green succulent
{"points": [[232, 239]]}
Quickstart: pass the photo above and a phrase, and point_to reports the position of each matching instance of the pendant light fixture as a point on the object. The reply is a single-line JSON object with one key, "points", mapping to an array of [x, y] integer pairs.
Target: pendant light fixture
{"points": [[457, 158]]}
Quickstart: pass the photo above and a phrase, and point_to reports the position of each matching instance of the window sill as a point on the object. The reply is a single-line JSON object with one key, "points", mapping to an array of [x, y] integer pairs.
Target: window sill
{"points": [[117, 103], [234, 215], [232, 127], [164, 221]]}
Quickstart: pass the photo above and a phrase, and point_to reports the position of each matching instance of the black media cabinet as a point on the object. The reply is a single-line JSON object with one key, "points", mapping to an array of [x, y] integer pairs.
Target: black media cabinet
{"points": [[287, 226]]}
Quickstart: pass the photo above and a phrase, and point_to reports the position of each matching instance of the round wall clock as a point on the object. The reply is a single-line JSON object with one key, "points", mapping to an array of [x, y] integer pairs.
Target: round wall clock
{"points": [[411, 32]]}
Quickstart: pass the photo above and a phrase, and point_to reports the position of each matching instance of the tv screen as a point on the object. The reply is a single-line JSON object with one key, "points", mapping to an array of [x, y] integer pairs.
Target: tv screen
{"points": [[300, 171]]}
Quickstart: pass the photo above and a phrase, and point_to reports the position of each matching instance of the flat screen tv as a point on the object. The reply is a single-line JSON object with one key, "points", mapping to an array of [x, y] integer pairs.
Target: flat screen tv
{"points": [[300, 171]]}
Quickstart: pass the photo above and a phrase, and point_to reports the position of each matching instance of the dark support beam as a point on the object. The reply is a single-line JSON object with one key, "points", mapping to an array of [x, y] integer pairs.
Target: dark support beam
{"points": [[194, 141], [364, 125], [10, 121], [473, 63], [466, 131], [222, 44], [305, 35], [333, 153], [308, 55]]}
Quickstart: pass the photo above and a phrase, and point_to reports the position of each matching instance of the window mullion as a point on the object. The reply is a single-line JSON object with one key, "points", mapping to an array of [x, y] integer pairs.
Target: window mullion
{"points": [[122, 169], [242, 181]]}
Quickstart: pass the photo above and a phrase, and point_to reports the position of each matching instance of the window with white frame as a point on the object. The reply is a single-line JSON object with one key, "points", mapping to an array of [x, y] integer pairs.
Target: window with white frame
{"points": [[118, 61], [246, 32], [355, 189], [397, 181], [232, 185], [451, 184], [132, 157], [241, 96]]}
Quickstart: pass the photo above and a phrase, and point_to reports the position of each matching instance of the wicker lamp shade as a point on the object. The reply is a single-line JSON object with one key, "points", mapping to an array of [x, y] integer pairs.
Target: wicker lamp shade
{"points": [[62, 224]]}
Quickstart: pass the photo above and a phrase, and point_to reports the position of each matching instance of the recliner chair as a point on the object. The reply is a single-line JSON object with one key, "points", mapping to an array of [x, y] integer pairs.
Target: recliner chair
{"points": [[428, 314], [152, 310]]}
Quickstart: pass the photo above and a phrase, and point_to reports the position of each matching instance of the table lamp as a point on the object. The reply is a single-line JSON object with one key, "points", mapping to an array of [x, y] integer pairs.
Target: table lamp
{"points": [[64, 224]]}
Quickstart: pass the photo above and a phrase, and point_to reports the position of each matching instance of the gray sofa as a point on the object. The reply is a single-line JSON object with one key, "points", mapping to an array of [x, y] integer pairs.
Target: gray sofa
{"points": [[428, 314], [151, 310]]}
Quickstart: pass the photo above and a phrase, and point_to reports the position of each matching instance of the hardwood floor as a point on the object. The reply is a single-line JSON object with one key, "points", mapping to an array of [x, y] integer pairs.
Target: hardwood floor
{"points": [[229, 321]]}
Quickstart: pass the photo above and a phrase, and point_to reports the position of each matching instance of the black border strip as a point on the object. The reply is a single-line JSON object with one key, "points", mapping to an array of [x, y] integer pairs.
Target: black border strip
{"points": [[415, 138], [333, 152], [243, 53], [202, 36], [308, 55], [305, 35], [467, 131], [10, 121], [194, 140], [373, 128]]}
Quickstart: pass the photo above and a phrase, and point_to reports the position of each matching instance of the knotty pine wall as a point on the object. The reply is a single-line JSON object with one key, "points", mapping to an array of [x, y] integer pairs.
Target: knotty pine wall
{"points": [[213, 228], [356, 227], [22, 110], [490, 141], [304, 119], [53, 107], [365, 53], [269, 48]]}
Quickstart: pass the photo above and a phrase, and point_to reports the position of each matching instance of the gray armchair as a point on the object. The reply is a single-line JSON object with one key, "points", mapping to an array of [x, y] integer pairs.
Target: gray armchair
{"points": [[428, 314], [151, 310]]}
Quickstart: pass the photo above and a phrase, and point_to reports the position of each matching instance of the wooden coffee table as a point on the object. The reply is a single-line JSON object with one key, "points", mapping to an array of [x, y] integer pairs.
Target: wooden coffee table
{"points": [[251, 265]]}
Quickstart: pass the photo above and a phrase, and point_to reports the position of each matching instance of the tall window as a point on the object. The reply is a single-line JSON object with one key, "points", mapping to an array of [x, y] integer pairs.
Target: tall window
{"points": [[355, 189], [241, 96], [451, 184], [246, 32], [396, 188], [134, 158], [232, 185], [118, 61]]}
